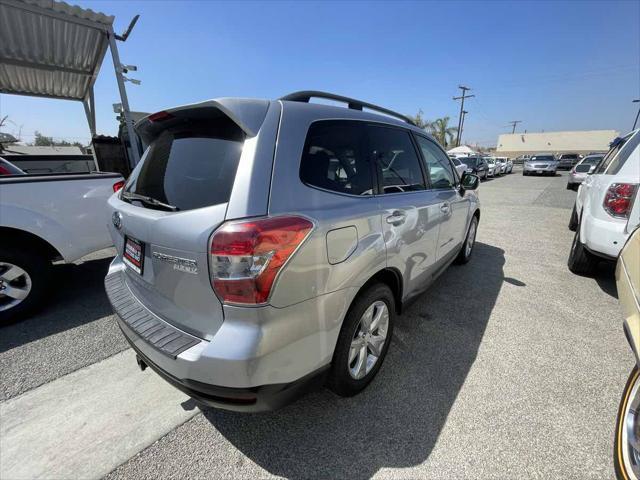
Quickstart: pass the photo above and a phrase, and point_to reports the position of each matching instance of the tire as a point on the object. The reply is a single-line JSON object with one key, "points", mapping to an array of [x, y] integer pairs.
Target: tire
{"points": [[569, 186], [467, 248], [630, 398], [573, 221], [581, 261], [27, 275], [343, 377]]}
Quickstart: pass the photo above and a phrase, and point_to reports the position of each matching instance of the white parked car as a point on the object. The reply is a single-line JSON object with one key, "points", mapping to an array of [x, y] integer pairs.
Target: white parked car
{"points": [[508, 164], [460, 167], [493, 168], [578, 173], [606, 209]]}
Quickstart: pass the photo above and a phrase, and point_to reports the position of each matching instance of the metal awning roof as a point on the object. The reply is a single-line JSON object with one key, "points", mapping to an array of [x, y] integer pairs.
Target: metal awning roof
{"points": [[50, 48]]}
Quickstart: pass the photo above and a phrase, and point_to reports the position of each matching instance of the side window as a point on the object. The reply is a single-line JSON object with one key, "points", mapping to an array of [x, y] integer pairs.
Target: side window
{"points": [[333, 158], [438, 165], [396, 159]]}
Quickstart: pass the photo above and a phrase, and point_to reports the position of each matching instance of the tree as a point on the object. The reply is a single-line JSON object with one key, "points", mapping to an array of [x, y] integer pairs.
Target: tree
{"points": [[421, 122], [44, 141], [442, 132]]}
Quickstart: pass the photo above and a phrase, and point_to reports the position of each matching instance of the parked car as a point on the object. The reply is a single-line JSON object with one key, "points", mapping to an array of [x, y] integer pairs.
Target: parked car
{"points": [[521, 159], [45, 218], [460, 167], [508, 164], [242, 289], [8, 168], [476, 166], [606, 210], [578, 173], [492, 167], [567, 160], [541, 164], [626, 455]]}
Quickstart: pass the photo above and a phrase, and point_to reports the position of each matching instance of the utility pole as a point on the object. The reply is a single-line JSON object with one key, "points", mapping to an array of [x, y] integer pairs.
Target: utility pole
{"points": [[464, 95], [514, 123], [638, 115], [464, 114]]}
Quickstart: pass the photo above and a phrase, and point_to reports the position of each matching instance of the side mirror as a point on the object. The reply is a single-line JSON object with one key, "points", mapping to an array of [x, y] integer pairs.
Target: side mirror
{"points": [[469, 181]]}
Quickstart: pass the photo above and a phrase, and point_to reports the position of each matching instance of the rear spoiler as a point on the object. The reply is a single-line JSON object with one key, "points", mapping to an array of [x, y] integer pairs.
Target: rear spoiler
{"points": [[248, 114]]}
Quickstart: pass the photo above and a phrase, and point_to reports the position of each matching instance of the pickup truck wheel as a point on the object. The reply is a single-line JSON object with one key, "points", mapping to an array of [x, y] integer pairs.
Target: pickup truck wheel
{"points": [[363, 341], [470, 240], [581, 261], [573, 221], [23, 280], [626, 448]]}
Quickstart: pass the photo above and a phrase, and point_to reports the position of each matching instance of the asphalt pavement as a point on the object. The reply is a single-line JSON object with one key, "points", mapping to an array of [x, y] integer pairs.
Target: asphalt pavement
{"points": [[508, 367]]}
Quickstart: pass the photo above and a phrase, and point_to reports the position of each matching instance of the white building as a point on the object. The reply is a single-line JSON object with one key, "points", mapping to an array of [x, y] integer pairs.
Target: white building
{"points": [[583, 142]]}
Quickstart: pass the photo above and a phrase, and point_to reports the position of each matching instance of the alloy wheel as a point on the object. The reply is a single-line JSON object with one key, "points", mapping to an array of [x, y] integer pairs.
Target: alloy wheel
{"points": [[15, 285], [471, 236], [368, 340]]}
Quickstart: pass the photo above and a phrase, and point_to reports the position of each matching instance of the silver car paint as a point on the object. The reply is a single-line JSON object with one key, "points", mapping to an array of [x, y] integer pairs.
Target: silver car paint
{"points": [[415, 233]]}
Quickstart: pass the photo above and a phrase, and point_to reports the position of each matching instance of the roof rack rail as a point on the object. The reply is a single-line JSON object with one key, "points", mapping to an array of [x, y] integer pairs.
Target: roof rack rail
{"points": [[306, 95]]}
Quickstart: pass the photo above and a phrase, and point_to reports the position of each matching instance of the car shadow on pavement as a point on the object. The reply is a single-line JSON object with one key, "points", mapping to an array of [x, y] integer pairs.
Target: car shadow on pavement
{"points": [[396, 421], [605, 277], [77, 297]]}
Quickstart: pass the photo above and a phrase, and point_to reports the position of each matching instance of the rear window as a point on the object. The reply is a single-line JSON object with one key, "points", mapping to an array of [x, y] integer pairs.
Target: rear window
{"points": [[190, 165], [584, 167], [470, 162]]}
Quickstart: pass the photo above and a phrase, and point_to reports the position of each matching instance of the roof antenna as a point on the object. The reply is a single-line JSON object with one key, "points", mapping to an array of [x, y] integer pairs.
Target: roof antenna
{"points": [[125, 35]]}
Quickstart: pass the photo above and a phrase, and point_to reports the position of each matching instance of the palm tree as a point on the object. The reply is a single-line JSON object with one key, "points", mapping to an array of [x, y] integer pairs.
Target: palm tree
{"points": [[421, 122], [442, 132]]}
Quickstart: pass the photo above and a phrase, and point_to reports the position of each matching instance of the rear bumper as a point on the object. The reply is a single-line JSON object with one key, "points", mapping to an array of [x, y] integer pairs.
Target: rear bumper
{"points": [[255, 399], [576, 179], [263, 356], [604, 238]]}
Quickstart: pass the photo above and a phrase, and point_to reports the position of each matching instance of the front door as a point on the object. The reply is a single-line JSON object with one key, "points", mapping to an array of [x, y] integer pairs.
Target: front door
{"points": [[411, 213], [453, 206]]}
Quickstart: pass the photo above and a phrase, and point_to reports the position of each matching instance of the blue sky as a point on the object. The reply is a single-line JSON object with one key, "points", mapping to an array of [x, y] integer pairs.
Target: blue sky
{"points": [[554, 65]]}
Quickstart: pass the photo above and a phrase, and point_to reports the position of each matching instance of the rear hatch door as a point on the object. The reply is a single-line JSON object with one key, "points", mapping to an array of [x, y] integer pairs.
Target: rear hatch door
{"points": [[175, 198]]}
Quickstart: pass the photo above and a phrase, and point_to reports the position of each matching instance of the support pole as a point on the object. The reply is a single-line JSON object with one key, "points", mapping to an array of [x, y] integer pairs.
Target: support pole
{"points": [[133, 139]]}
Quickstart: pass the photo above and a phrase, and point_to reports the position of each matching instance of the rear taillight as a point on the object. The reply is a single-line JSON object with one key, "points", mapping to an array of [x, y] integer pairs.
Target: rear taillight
{"points": [[619, 199], [118, 185], [245, 257]]}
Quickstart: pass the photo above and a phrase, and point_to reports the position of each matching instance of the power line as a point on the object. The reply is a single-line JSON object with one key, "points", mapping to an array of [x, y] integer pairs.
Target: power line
{"points": [[464, 95], [513, 123]]}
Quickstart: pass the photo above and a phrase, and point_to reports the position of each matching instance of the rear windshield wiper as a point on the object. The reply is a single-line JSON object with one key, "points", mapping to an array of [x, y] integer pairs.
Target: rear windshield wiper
{"points": [[148, 201]]}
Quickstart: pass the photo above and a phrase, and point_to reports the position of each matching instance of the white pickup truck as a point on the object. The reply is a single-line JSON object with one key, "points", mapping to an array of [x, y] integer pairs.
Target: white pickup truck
{"points": [[45, 218]]}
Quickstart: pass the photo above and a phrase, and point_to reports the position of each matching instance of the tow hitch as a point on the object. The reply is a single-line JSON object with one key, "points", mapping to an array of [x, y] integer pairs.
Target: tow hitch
{"points": [[141, 363]]}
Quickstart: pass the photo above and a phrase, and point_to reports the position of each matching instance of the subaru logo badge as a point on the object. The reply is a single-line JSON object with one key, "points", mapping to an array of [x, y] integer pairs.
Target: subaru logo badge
{"points": [[116, 218]]}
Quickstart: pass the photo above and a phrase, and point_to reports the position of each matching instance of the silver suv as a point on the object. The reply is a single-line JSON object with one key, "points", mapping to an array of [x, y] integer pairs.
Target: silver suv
{"points": [[266, 246]]}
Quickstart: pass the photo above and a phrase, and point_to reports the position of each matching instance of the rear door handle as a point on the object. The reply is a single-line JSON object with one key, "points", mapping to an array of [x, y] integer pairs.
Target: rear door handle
{"points": [[445, 208], [396, 218]]}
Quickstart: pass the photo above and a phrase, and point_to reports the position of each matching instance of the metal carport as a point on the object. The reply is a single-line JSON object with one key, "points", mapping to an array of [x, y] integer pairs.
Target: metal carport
{"points": [[55, 50]]}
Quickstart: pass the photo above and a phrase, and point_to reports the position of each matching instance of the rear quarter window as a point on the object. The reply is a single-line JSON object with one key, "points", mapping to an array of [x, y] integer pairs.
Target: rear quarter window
{"points": [[334, 158]]}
